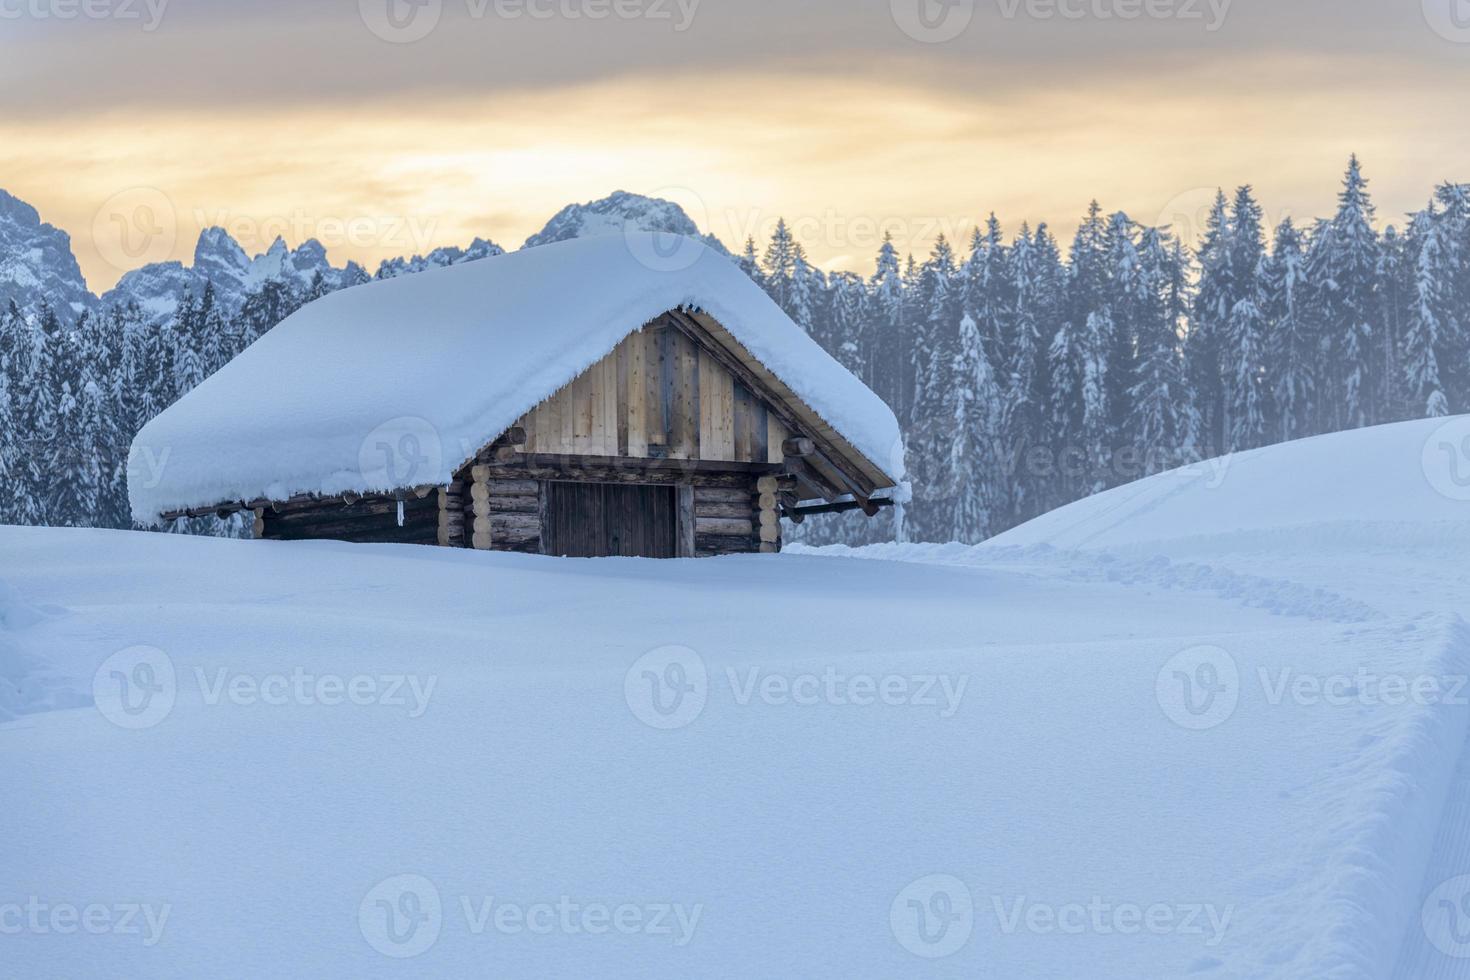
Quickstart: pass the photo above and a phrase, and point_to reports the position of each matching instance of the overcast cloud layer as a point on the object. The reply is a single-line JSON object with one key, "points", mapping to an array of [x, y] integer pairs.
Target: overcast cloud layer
{"points": [[483, 116]]}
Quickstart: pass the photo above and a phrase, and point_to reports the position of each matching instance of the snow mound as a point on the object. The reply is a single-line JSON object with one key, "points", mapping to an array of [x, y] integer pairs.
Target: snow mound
{"points": [[1406, 473], [453, 357]]}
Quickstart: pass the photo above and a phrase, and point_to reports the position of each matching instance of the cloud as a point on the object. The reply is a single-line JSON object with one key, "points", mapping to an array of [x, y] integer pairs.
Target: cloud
{"points": [[844, 157]]}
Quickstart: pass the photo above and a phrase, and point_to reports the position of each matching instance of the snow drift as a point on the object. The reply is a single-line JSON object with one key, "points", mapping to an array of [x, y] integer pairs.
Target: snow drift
{"points": [[1192, 748]]}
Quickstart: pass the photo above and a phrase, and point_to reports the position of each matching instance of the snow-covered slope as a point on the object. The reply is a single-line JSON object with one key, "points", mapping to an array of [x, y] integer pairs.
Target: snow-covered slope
{"points": [[36, 262], [1414, 472], [1178, 755]]}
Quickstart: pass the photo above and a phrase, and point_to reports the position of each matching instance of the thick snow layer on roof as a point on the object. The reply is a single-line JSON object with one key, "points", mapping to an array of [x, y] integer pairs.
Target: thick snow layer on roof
{"points": [[398, 382]]}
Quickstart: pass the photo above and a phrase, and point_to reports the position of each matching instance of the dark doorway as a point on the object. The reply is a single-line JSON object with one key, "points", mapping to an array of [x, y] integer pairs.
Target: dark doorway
{"points": [[598, 520]]}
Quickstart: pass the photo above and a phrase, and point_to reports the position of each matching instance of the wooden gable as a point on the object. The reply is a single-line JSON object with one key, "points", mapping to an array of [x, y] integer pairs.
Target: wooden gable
{"points": [[658, 395]]}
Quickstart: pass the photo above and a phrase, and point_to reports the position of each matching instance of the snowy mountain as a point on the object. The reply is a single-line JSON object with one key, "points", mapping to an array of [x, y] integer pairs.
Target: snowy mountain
{"points": [[617, 213], [439, 258], [1200, 728], [36, 261], [219, 259]]}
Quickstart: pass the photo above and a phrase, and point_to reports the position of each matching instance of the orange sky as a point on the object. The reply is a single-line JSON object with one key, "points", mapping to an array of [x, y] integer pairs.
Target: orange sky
{"points": [[911, 144]]}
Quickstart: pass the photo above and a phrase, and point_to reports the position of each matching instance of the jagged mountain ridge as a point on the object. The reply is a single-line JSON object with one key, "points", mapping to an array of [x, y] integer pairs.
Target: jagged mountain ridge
{"points": [[37, 263], [36, 260]]}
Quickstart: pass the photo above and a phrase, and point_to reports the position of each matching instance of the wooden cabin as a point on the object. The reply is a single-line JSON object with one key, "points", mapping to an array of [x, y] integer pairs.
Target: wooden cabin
{"points": [[678, 442]]}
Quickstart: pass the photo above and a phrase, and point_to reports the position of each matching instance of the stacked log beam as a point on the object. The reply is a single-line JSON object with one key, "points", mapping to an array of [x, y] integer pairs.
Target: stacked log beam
{"points": [[452, 514], [371, 519], [507, 512]]}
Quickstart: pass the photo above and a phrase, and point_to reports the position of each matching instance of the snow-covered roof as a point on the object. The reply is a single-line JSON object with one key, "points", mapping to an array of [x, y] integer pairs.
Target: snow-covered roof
{"points": [[440, 363]]}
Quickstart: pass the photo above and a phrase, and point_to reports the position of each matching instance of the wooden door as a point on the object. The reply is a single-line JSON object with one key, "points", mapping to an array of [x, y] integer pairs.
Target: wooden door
{"points": [[597, 520]]}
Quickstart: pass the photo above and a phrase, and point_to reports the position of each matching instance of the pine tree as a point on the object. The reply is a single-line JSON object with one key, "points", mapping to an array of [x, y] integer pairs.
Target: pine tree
{"points": [[886, 302], [1087, 437], [976, 410], [1426, 328], [213, 346], [1211, 314], [1159, 398], [1292, 345], [931, 363], [1454, 202], [806, 288], [847, 334], [1344, 270], [1128, 304], [750, 263], [1244, 347], [1092, 355], [779, 266], [11, 511], [1395, 274], [1023, 420]]}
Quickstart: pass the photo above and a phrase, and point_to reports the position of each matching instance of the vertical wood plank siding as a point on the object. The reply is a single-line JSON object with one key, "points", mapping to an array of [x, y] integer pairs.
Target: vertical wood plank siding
{"points": [[657, 395]]}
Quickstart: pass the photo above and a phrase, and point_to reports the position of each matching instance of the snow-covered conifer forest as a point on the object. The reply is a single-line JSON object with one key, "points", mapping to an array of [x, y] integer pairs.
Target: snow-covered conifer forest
{"points": [[1028, 372]]}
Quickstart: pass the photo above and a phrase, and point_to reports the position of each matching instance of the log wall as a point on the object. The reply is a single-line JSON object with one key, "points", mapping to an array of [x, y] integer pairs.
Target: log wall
{"points": [[507, 512], [370, 520]]}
